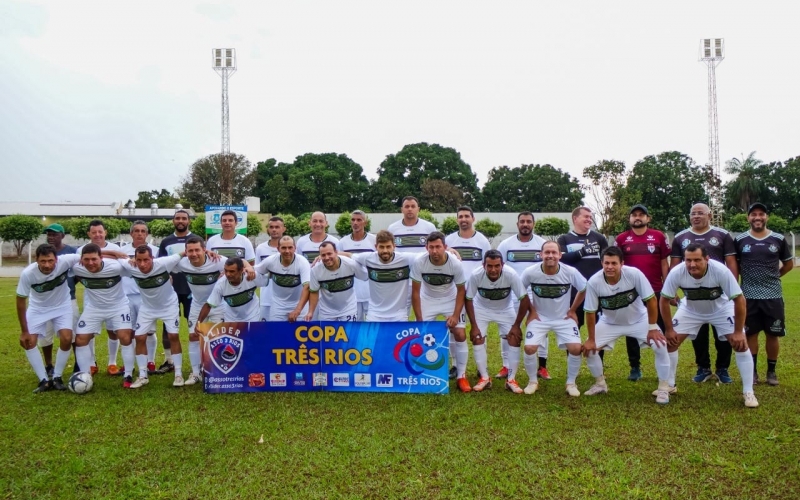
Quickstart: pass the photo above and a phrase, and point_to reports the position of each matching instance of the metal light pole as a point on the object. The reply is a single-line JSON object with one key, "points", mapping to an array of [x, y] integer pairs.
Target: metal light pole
{"points": [[712, 52], [224, 63]]}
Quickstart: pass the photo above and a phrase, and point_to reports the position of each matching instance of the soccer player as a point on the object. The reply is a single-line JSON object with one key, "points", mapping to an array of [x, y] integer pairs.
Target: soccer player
{"points": [[712, 296], [647, 250], [359, 241], [139, 234], [720, 247], [290, 275], [229, 243], [629, 309], [550, 310], [520, 252], [43, 297], [172, 244], [309, 245], [410, 232], [331, 286], [438, 288], [55, 237], [764, 258], [236, 293], [490, 294], [470, 244], [275, 229]]}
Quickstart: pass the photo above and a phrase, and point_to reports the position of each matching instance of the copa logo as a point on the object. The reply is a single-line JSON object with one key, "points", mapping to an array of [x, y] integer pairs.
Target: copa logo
{"points": [[411, 352], [136, 326], [398, 241]]}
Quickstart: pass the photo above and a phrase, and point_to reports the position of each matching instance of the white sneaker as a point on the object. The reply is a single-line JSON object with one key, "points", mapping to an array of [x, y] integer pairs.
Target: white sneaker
{"points": [[531, 388], [597, 389], [673, 389], [178, 381], [140, 382], [193, 379], [750, 400], [662, 397], [573, 391]]}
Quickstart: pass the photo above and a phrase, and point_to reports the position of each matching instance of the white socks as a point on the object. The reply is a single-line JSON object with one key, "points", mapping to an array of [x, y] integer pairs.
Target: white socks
{"points": [[504, 351], [177, 362], [83, 356], [481, 361], [194, 356], [673, 368], [141, 362], [152, 346], [62, 357], [531, 365], [513, 362], [573, 367], [113, 348], [35, 359], [128, 358], [94, 358], [664, 363], [462, 354], [595, 365], [744, 362]]}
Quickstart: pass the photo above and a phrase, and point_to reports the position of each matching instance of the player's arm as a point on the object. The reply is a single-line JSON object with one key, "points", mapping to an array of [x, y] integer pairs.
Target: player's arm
{"points": [[452, 321], [304, 296], [664, 269], [251, 272], [733, 265], [524, 307], [204, 311], [416, 303], [313, 299], [654, 335], [591, 322], [22, 304], [787, 265], [474, 330], [573, 309], [569, 258]]}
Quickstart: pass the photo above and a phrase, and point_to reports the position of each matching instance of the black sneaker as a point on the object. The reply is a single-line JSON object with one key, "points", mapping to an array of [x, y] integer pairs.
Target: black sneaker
{"points": [[58, 384], [453, 372], [49, 369], [165, 368], [772, 378], [44, 386]]}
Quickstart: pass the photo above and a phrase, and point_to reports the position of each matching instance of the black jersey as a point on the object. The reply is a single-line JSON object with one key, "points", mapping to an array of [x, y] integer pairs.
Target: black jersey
{"points": [[572, 242], [718, 243], [759, 264], [171, 245]]}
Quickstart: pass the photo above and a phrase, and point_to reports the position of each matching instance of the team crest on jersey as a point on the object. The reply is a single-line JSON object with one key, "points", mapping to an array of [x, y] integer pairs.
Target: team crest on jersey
{"points": [[685, 243], [714, 293], [746, 248], [713, 241], [239, 252], [398, 241], [651, 248], [160, 280], [773, 248], [226, 351], [81, 323], [675, 322], [373, 275], [110, 283]]}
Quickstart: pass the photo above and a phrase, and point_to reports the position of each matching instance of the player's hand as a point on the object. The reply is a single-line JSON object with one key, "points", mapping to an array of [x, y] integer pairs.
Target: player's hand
{"points": [[592, 248], [452, 321], [672, 337], [656, 338], [132, 263], [251, 274], [292, 316], [308, 316], [213, 255], [454, 252], [315, 261], [589, 347], [515, 333], [673, 302], [738, 341], [572, 315], [475, 334]]}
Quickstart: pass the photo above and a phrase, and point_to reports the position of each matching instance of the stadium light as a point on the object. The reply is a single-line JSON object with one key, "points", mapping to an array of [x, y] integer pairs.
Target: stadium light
{"points": [[712, 52], [223, 61]]}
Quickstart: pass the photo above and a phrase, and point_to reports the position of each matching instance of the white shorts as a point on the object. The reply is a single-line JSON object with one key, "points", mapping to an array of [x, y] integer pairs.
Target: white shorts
{"points": [[214, 316], [91, 321], [265, 313], [46, 330], [503, 319], [688, 323], [277, 313], [135, 303], [386, 319], [146, 322], [432, 308], [566, 331], [363, 310], [605, 334], [348, 316]]}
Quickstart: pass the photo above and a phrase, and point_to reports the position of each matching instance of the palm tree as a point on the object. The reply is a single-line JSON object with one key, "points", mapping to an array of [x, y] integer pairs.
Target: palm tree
{"points": [[746, 187]]}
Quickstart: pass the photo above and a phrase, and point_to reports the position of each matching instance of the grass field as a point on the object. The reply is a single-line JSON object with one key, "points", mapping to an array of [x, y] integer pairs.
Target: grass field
{"points": [[162, 442]]}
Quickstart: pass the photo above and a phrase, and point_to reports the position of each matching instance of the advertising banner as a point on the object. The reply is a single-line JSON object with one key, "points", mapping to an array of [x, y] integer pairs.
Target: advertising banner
{"points": [[214, 212], [404, 356]]}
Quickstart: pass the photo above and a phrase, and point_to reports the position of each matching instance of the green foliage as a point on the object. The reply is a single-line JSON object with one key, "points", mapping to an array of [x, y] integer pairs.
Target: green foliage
{"points": [[606, 179], [160, 228], [428, 216], [293, 225], [489, 228], [21, 230], [537, 188], [198, 225], [254, 227], [795, 226], [778, 224], [440, 196], [78, 227], [748, 184], [449, 225], [218, 179], [164, 199], [737, 224], [343, 227], [551, 226]]}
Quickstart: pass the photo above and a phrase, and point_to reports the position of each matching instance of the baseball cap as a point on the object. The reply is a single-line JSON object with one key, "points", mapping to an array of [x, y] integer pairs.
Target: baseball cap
{"points": [[56, 228], [639, 206], [755, 205]]}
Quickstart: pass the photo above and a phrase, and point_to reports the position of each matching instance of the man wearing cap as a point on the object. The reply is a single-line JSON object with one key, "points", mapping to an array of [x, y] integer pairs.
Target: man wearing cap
{"points": [[647, 250], [764, 257], [719, 244], [55, 237]]}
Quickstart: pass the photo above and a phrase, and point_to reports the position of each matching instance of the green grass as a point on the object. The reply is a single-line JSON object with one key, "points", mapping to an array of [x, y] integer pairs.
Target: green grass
{"points": [[162, 442]]}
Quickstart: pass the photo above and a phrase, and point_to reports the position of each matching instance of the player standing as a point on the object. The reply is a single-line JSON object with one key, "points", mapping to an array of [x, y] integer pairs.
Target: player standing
{"points": [[229, 243], [236, 293], [309, 245], [275, 229], [290, 275], [359, 241], [410, 232], [331, 286], [55, 237]]}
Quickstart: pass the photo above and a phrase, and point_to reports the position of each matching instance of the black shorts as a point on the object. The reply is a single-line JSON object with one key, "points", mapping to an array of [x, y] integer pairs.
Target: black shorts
{"points": [[765, 315]]}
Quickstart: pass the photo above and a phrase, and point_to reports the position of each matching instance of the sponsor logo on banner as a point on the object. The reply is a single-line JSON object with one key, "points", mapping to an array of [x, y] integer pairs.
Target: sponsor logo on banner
{"points": [[226, 351], [384, 380], [363, 380], [277, 380], [299, 380], [417, 352], [341, 380], [320, 379], [256, 380]]}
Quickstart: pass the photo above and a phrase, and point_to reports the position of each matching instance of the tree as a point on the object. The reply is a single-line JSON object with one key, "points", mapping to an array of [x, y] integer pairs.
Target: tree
{"points": [[78, 227], [160, 228], [738, 223], [218, 179], [293, 225], [403, 174], [668, 184], [537, 188], [163, 199], [428, 216], [746, 187], [606, 178], [782, 183], [328, 182], [343, 227], [440, 196], [778, 224], [254, 227], [20, 230], [449, 225], [198, 225], [551, 226], [489, 228]]}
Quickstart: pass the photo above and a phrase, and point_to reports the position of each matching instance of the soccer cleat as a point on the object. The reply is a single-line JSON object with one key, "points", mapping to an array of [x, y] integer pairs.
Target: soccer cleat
{"points": [[636, 374], [662, 396], [49, 370], [513, 386], [127, 382], [531, 387], [463, 385], [178, 382], [483, 383], [58, 384], [750, 400], [503, 373], [113, 371], [673, 389], [192, 379], [452, 373], [543, 374], [573, 391], [597, 388], [166, 367], [140, 382], [44, 386], [151, 368], [722, 376], [93, 370], [772, 379], [703, 374]]}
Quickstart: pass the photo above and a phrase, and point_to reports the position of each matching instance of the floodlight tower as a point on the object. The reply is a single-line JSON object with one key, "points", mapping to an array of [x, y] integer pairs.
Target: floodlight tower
{"points": [[712, 52], [224, 63]]}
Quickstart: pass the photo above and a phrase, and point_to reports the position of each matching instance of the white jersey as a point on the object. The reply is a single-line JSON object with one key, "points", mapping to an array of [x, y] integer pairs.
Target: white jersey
{"points": [[387, 282], [367, 245], [47, 294], [127, 283], [310, 249], [240, 300], [263, 251], [494, 295], [623, 302], [438, 281], [411, 239], [287, 281], [104, 290], [521, 254], [336, 295], [87, 298], [201, 279], [470, 249], [155, 287], [551, 293], [238, 246], [707, 295]]}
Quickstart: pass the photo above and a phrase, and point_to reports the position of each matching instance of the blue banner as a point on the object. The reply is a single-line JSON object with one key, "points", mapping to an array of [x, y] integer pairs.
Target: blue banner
{"points": [[326, 356]]}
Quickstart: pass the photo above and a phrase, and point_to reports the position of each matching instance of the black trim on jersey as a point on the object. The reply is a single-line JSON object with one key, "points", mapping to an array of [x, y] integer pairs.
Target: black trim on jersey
{"points": [[526, 255], [494, 293], [50, 285], [389, 275], [101, 283], [240, 298], [469, 254], [410, 240], [230, 251], [702, 293], [619, 300], [202, 278], [286, 280], [311, 255], [338, 284], [550, 290], [152, 281]]}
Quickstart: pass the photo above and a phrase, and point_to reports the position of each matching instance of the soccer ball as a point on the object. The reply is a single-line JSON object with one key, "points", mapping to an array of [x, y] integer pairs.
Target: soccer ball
{"points": [[429, 340], [80, 383]]}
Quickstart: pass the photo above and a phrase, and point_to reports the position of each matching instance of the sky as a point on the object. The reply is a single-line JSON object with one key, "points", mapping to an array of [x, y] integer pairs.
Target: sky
{"points": [[103, 99]]}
